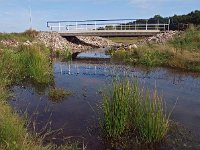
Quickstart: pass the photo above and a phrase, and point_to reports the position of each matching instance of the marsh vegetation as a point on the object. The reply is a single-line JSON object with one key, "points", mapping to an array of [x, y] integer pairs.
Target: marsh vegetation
{"points": [[182, 52], [19, 65]]}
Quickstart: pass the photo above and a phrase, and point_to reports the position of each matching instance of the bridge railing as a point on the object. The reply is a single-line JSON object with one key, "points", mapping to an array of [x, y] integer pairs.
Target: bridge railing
{"points": [[114, 24]]}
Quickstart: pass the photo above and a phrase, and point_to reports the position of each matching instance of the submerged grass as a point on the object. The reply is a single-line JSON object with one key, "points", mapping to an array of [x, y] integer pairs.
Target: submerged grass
{"points": [[58, 94], [128, 106]]}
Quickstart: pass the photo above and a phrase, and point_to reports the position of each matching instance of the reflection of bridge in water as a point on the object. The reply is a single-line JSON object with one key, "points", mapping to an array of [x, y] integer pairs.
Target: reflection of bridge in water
{"points": [[113, 27]]}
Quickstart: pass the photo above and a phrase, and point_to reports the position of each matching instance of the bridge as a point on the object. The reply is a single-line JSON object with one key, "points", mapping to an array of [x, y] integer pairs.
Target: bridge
{"points": [[105, 28]]}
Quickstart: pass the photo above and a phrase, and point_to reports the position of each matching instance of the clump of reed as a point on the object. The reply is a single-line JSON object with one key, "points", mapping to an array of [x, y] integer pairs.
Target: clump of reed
{"points": [[151, 119], [30, 62], [35, 63], [115, 109], [65, 55], [130, 107]]}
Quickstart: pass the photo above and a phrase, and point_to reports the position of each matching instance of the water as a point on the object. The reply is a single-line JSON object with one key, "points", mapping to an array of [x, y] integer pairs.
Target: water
{"points": [[78, 114], [96, 54]]}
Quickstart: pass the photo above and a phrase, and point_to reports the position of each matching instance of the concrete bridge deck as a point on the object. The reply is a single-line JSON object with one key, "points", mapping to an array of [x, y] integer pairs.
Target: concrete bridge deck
{"points": [[110, 33]]}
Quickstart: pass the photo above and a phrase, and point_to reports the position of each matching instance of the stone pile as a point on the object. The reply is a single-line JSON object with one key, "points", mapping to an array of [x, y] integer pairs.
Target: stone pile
{"points": [[97, 41], [14, 43], [8, 42], [56, 42], [159, 38]]}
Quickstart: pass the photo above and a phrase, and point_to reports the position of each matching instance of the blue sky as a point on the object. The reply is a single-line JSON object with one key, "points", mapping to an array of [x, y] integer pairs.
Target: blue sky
{"points": [[14, 14]]}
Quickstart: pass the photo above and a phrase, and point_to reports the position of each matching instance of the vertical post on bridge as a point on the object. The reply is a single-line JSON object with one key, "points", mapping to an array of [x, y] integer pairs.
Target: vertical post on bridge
{"points": [[59, 26], [146, 24], [95, 24], [168, 24], [135, 24], [124, 25]]}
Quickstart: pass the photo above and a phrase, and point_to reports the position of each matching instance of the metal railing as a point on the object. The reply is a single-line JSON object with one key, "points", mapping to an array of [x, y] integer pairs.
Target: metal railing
{"points": [[113, 24]]}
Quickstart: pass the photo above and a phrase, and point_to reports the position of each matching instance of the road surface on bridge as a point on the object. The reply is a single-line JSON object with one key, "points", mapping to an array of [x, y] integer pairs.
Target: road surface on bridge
{"points": [[112, 33]]}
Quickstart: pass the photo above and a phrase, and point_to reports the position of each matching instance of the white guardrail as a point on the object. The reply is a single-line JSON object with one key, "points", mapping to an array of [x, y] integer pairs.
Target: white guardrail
{"points": [[114, 24]]}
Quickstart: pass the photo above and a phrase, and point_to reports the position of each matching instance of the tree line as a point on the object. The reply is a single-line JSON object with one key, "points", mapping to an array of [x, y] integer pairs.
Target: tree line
{"points": [[177, 22]]}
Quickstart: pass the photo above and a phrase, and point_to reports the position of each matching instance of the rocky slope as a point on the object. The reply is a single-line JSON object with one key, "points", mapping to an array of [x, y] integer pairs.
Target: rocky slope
{"points": [[55, 41], [97, 41], [159, 38]]}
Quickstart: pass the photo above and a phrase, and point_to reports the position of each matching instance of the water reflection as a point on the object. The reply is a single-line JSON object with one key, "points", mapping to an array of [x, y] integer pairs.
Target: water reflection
{"points": [[77, 113]]}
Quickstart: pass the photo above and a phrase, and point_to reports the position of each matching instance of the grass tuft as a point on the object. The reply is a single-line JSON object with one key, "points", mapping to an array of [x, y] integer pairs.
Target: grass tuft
{"points": [[128, 106]]}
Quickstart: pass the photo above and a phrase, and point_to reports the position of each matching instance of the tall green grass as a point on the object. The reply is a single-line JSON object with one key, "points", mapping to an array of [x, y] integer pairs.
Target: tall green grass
{"points": [[35, 63], [128, 106], [66, 54], [17, 65], [189, 40], [30, 62], [151, 119], [145, 57], [115, 109], [183, 52]]}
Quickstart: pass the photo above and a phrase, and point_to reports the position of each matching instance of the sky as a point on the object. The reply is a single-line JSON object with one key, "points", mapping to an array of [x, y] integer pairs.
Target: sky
{"points": [[15, 16]]}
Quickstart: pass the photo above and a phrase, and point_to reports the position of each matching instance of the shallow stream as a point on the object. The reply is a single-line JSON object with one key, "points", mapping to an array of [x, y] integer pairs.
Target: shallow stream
{"points": [[78, 114]]}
